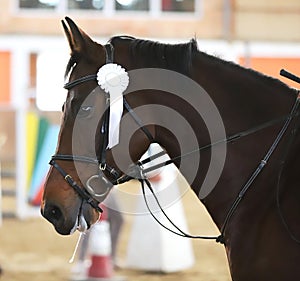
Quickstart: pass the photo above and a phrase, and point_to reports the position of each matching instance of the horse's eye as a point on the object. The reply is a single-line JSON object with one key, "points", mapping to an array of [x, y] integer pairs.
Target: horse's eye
{"points": [[85, 111]]}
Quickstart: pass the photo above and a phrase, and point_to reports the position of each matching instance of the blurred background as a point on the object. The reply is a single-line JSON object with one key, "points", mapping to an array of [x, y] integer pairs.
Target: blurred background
{"points": [[260, 34]]}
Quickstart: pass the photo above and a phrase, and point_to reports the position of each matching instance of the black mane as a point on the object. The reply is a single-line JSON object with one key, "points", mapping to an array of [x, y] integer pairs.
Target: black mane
{"points": [[176, 57], [147, 53]]}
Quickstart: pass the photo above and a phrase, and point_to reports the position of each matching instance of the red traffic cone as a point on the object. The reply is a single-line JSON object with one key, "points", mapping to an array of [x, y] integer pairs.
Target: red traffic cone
{"points": [[100, 249]]}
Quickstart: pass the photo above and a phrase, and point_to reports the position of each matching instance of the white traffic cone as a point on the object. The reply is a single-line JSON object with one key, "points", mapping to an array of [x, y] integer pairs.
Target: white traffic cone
{"points": [[165, 251]]}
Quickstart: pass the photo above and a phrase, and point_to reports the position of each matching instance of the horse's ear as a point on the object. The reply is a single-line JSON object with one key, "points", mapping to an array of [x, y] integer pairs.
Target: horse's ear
{"points": [[77, 38]]}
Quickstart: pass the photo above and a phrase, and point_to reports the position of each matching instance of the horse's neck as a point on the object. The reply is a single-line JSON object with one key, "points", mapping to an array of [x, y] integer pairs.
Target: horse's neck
{"points": [[245, 101]]}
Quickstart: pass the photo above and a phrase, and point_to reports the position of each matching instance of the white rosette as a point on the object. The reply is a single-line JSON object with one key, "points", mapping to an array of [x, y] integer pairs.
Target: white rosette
{"points": [[113, 79]]}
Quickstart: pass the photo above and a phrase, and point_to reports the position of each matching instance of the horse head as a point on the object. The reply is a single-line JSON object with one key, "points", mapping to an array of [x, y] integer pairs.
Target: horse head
{"points": [[83, 169]]}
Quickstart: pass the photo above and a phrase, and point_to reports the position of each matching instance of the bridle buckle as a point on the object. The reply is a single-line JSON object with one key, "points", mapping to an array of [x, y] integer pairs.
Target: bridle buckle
{"points": [[102, 166], [68, 177]]}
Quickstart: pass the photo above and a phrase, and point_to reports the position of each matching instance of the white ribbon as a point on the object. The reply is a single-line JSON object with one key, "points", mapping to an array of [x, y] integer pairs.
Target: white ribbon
{"points": [[113, 79]]}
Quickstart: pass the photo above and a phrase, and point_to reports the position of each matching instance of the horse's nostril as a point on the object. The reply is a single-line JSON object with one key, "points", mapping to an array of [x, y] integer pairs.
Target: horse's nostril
{"points": [[52, 213], [55, 213]]}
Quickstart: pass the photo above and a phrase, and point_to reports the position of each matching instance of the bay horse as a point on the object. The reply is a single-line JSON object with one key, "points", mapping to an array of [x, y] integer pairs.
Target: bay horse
{"points": [[232, 132]]}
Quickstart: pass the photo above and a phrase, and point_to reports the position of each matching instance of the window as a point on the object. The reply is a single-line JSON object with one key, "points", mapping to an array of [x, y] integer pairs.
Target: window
{"points": [[112, 7], [38, 4], [132, 5], [178, 6], [86, 4]]}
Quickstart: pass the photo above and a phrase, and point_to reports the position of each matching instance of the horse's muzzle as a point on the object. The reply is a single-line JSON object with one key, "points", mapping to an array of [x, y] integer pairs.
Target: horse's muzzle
{"points": [[55, 216]]}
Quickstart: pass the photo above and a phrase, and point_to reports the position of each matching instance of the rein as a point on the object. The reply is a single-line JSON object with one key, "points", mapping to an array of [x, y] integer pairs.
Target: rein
{"points": [[136, 171], [220, 239], [246, 186]]}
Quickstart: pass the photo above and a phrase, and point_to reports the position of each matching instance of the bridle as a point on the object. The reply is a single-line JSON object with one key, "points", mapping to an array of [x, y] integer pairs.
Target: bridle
{"points": [[87, 193], [137, 171]]}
